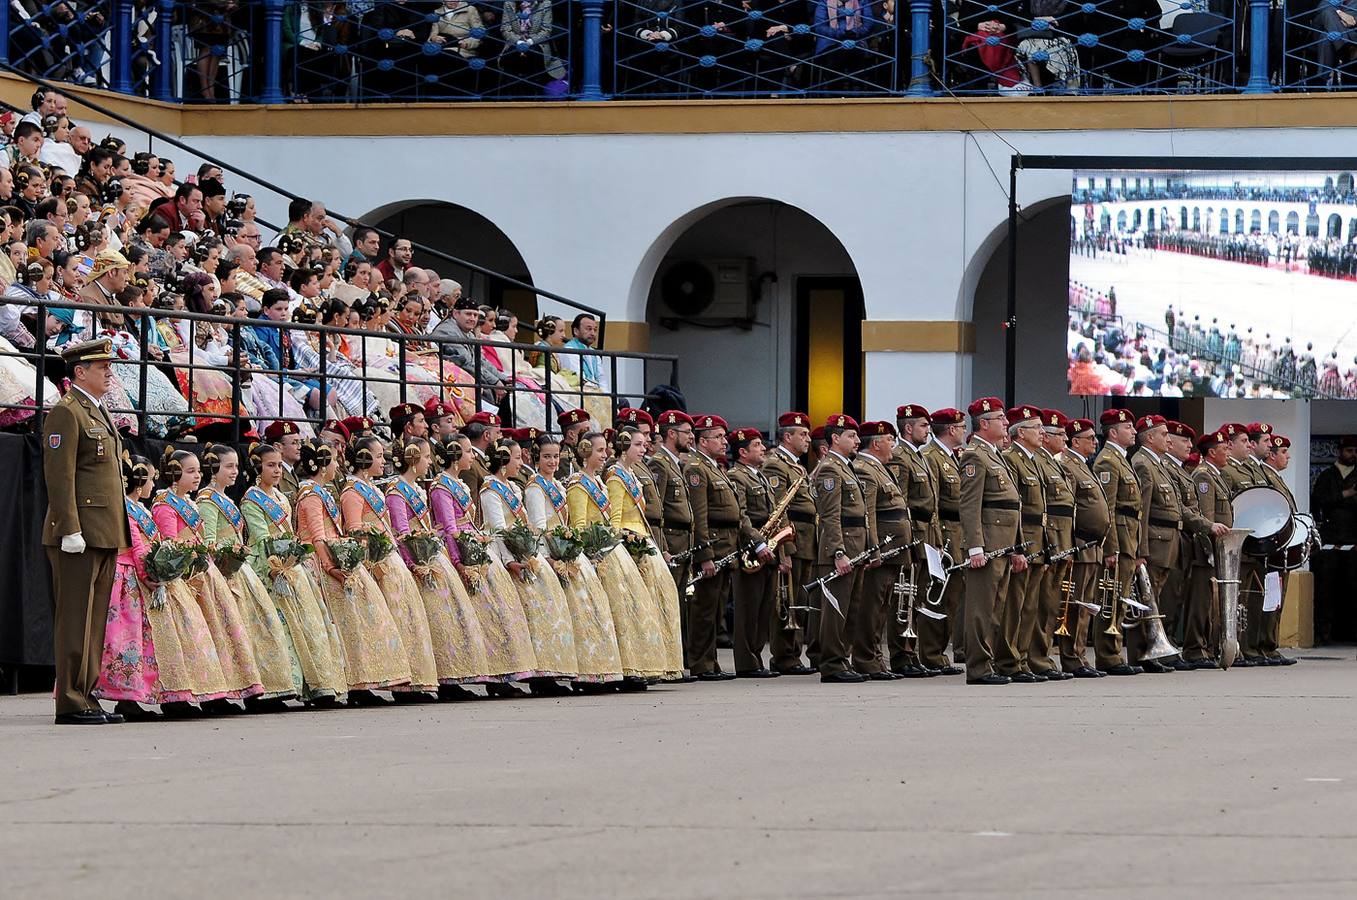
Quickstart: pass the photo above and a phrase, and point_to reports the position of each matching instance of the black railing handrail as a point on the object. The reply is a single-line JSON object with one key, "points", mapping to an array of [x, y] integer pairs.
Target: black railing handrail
{"points": [[156, 134]]}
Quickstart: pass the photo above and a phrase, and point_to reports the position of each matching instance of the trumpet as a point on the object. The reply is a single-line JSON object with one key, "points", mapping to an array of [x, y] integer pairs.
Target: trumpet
{"points": [[1108, 589], [906, 596], [750, 562], [1066, 598], [786, 610]]}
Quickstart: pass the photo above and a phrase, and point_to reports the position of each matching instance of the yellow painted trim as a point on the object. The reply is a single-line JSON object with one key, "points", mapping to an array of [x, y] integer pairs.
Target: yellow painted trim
{"points": [[918, 337], [1297, 627], [631, 337], [888, 114]]}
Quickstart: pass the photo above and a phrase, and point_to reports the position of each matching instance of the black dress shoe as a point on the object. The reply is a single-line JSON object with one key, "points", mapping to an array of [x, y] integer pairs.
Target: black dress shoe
{"points": [[1122, 669], [632, 684], [882, 676], [1284, 660], [758, 673], [220, 707], [1086, 672], [684, 679], [990, 680], [843, 678], [1025, 678], [1202, 664], [799, 670], [1178, 664], [83, 717], [714, 676], [1055, 675], [931, 671], [114, 718], [911, 672], [1243, 662], [1154, 667], [951, 670]]}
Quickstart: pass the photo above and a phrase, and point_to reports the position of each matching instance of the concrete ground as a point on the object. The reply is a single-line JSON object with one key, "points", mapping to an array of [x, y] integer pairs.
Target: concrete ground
{"points": [[1206, 784]]}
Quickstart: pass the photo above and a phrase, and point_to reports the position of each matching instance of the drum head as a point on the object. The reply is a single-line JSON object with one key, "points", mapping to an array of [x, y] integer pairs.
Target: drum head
{"points": [[1262, 510], [1300, 534]]}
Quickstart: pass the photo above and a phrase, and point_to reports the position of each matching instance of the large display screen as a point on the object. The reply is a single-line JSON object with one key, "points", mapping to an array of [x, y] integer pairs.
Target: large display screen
{"points": [[1199, 283]]}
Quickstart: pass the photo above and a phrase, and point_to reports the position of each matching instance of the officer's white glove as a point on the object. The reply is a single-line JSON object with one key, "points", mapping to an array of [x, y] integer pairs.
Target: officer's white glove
{"points": [[73, 543]]}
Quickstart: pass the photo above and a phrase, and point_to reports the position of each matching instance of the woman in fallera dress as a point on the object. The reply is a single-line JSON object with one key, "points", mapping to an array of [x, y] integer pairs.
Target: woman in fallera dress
{"points": [[508, 643], [374, 656], [177, 517], [595, 635], [293, 586], [543, 598], [223, 524], [363, 507], [458, 642]]}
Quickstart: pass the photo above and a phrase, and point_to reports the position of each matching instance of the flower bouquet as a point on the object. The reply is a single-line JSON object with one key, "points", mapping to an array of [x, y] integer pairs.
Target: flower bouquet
{"points": [[229, 557], [596, 540], [563, 549], [347, 553], [423, 547], [285, 552], [637, 545], [521, 542], [475, 558], [201, 558], [166, 561], [379, 543]]}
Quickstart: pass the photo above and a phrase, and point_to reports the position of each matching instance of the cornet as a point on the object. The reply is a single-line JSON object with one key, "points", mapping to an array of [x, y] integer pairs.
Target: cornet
{"points": [[906, 594]]}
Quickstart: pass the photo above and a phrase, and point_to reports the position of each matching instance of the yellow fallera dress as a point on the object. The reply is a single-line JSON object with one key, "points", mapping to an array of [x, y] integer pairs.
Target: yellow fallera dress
{"points": [[629, 514]]}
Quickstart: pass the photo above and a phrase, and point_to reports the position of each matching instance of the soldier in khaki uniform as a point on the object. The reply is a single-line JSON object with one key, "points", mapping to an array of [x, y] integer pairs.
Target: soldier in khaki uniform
{"points": [[1162, 520], [1122, 490], [949, 434], [676, 526], [1059, 538], [1201, 622], [1019, 608], [85, 527], [1181, 439], [791, 629], [719, 523], [876, 608], [754, 591], [1092, 521], [1241, 474], [909, 657], [527, 439], [1277, 457], [841, 532], [990, 519], [483, 430], [286, 436], [573, 423]]}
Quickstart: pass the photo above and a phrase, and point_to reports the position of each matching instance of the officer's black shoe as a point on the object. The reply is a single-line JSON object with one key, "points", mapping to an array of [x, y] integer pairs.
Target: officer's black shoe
{"points": [[951, 670], [911, 671], [843, 678], [1155, 667], [1284, 660], [799, 670], [1202, 664], [882, 676], [1178, 664], [757, 673], [684, 679], [1247, 662], [714, 676], [84, 717], [1086, 672], [1025, 678], [1054, 675], [990, 680], [1122, 669]]}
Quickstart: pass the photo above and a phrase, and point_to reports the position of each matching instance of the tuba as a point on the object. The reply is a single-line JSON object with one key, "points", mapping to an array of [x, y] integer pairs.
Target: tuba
{"points": [[1225, 593], [773, 537]]}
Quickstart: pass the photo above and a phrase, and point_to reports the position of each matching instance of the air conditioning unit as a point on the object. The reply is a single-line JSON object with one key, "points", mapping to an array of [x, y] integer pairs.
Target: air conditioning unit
{"points": [[706, 289]]}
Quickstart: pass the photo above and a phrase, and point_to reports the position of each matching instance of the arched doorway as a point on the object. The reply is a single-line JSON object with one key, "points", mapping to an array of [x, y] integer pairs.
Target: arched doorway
{"points": [[1239, 221], [1335, 226], [1274, 222], [1256, 222], [1293, 223], [766, 289], [466, 234]]}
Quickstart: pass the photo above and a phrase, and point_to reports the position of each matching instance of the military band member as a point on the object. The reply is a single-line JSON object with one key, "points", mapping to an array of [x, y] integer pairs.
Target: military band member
{"points": [[1201, 620], [442, 418], [527, 439], [483, 431], [676, 528], [754, 591], [875, 607], [1162, 520], [1092, 522], [719, 523], [949, 434], [84, 529], [841, 531], [782, 467], [1059, 538], [407, 421], [572, 423], [1180, 445], [1019, 606], [1277, 449], [1120, 550], [335, 435], [287, 437], [1241, 474], [909, 656], [990, 519]]}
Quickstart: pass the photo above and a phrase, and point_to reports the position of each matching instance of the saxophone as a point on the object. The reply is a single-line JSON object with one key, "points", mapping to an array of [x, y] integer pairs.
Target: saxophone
{"points": [[749, 562]]}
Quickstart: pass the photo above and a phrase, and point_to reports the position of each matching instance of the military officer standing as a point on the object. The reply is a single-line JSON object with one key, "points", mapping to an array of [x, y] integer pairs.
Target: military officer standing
{"points": [[1277, 449], [990, 518], [1241, 474], [841, 533], [287, 437], [916, 657], [949, 434], [1019, 608], [1120, 550], [1201, 620], [527, 439], [875, 609], [1040, 642], [573, 423], [754, 591], [791, 628], [483, 430], [85, 527], [676, 526], [1181, 439], [1092, 521]]}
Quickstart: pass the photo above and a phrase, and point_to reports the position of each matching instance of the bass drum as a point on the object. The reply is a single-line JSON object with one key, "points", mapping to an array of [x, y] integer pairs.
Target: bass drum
{"points": [[1266, 513], [1296, 553]]}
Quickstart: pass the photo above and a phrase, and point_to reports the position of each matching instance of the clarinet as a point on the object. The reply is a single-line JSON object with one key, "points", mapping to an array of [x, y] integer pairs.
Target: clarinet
{"points": [[679, 559], [994, 554]]}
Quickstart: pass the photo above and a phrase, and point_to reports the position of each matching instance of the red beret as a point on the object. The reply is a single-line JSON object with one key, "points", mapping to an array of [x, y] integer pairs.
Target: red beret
{"points": [[707, 422], [1023, 413], [1233, 429], [675, 417], [437, 409], [357, 424], [1115, 417], [528, 435], [484, 418], [1146, 423], [880, 429], [337, 427], [911, 411], [985, 405], [1259, 428], [1076, 427], [947, 416], [841, 420], [1182, 430], [793, 420], [1280, 442], [1193, 460], [404, 411], [609, 434], [740, 435], [1214, 439], [278, 430], [572, 417], [817, 433], [1054, 418], [629, 415]]}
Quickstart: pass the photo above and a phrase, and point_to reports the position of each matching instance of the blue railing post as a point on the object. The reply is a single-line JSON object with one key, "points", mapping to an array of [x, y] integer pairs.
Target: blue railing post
{"points": [[122, 46], [591, 84], [273, 52], [1258, 33], [4, 32], [918, 49], [164, 49]]}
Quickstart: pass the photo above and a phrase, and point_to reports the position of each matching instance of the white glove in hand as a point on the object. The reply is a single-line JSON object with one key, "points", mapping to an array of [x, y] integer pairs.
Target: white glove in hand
{"points": [[73, 543]]}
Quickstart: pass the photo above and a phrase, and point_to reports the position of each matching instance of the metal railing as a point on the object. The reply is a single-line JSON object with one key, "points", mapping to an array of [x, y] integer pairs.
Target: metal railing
{"points": [[276, 51], [224, 386]]}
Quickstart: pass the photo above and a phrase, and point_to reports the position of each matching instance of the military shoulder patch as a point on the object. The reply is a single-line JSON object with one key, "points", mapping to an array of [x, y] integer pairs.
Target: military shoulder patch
{"points": [[54, 441], [1203, 487], [772, 481], [695, 480], [827, 483], [968, 470], [1105, 477]]}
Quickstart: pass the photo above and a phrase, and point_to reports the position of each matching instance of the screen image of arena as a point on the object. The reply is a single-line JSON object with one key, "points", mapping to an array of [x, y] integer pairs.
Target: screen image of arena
{"points": [[1213, 283]]}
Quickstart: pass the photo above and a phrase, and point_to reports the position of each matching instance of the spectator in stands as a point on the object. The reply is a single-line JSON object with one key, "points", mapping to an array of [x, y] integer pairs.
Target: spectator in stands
{"points": [[1337, 39], [214, 205], [95, 174], [46, 103], [81, 141], [392, 32], [1045, 51], [272, 268], [56, 148], [398, 257], [184, 212], [25, 148], [835, 22], [6, 185], [367, 245], [42, 237], [140, 185], [457, 31], [107, 278], [588, 366], [994, 49], [528, 59], [322, 74]]}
